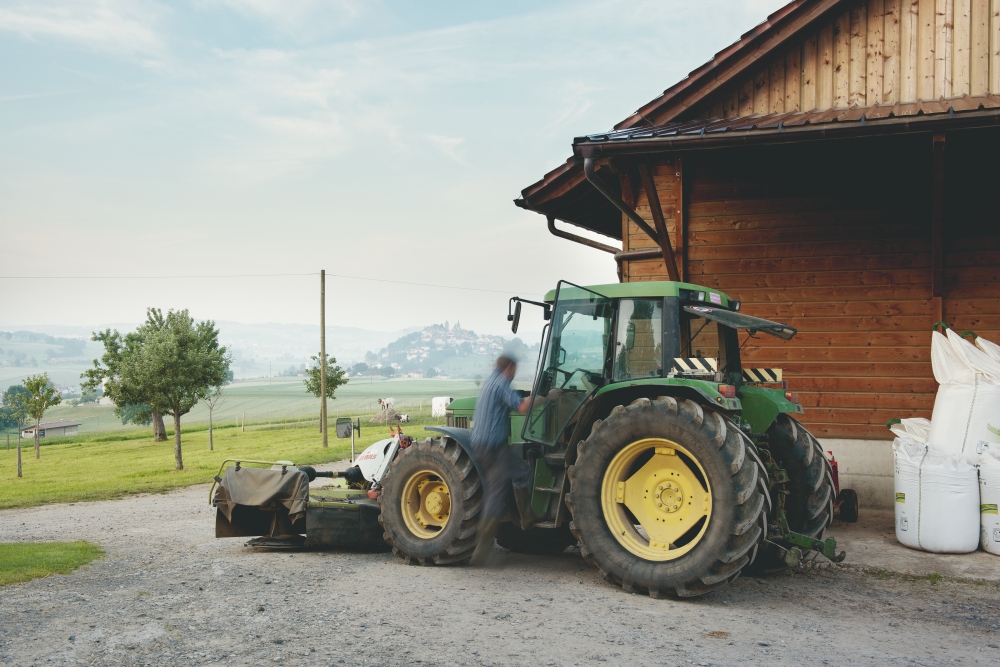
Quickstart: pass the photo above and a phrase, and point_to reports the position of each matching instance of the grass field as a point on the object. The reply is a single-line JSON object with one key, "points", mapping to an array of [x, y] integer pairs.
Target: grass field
{"points": [[111, 465], [22, 561], [283, 400]]}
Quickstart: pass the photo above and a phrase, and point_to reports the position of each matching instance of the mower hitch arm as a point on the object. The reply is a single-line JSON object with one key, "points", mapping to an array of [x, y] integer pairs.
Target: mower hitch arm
{"points": [[827, 547]]}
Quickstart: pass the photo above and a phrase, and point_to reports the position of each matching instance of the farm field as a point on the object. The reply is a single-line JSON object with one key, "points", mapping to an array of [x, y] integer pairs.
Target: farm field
{"points": [[283, 401], [111, 465]]}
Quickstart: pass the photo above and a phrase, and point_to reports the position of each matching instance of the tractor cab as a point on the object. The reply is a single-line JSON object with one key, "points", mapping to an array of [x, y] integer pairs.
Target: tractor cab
{"points": [[609, 337]]}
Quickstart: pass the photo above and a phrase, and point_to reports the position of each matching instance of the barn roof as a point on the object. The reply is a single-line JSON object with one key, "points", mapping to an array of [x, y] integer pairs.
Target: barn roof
{"points": [[686, 117]]}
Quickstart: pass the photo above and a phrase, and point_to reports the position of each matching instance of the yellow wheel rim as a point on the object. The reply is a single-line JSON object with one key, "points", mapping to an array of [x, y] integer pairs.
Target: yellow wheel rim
{"points": [[426, 504], [662, 510]]}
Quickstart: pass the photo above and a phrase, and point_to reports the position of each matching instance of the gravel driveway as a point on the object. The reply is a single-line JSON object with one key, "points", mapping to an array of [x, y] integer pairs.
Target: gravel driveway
{"points": [[168, 593]]}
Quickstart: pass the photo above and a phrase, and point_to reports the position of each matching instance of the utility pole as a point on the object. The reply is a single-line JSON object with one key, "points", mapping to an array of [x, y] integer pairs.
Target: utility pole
{"points": [[322, 356]]}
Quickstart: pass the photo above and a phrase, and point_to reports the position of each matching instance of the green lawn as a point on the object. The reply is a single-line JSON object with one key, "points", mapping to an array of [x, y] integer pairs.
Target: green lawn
{"points": [[22, 561], [112, 465]]}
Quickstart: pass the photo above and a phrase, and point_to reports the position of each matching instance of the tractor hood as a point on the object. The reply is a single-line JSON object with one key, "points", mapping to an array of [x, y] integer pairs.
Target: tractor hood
{"points": [[741, 321]]}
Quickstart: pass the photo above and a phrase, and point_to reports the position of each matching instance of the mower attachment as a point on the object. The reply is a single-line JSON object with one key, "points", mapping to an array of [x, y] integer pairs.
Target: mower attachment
{"points": [[277, 508]]}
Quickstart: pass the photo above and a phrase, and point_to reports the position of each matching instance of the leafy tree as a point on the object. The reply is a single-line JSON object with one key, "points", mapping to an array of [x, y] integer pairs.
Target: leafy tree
{"points": [[14, 410], [119, 378], [478, 379], [135, 414], [43, 395], [178, 363], [334, 378]]}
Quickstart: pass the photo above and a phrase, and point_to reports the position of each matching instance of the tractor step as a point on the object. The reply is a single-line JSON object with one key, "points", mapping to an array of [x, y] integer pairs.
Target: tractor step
{"points": [[555, 460], [548, 489]]}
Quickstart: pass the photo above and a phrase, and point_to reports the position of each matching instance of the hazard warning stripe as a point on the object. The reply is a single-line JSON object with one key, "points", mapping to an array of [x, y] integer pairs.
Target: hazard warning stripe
{"points": [[762, 375], [695, 365]]}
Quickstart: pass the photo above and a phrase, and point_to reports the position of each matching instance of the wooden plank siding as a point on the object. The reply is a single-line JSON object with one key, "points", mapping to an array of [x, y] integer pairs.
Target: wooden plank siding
{"points": [[880, 51], [841, 256]]}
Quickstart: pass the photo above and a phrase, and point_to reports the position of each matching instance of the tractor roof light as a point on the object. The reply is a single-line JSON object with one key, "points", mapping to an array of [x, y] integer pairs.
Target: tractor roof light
{"points": [[699, 296], [727, 390], [792, 396], [735, 305]]}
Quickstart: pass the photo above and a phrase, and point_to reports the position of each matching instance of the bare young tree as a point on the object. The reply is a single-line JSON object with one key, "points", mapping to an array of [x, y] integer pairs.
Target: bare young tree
{"points": [[214, 400]]}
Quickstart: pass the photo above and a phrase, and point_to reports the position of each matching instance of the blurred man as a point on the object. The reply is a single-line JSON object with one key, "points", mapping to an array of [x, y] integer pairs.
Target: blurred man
{"points": [[500, 465]]}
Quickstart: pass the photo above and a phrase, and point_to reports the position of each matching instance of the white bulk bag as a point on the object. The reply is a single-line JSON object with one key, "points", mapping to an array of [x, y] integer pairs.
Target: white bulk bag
{"points": [[916, 429], [439, 405], [968, 398], [989, 347], [989, 501], [937, 500]]}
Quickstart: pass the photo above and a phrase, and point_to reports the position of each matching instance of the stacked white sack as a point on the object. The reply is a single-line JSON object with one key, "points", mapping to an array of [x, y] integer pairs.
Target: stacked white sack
{"points": [[989, 500], [968, 398], [937, 499], [916, 429]]}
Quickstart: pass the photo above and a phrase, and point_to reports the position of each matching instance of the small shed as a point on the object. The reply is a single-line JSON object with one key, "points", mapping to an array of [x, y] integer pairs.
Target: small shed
{"points": [[834, 169], [51, 429]]}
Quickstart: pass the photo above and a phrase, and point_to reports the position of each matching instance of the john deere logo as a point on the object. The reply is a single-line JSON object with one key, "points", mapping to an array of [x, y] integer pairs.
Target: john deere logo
{"points": [[988, 509], [900, 497]]}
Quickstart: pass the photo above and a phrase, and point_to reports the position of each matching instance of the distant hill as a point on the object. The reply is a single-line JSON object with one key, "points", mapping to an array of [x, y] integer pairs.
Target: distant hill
{"points": [[443, 350]]}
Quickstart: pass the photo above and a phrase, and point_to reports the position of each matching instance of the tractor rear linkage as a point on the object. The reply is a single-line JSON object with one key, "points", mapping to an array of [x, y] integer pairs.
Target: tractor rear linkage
{"points": [[800, 545]]}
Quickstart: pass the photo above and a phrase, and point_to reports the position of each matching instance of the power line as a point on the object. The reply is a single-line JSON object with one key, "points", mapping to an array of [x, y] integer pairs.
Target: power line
{"points": [[267, 275]]}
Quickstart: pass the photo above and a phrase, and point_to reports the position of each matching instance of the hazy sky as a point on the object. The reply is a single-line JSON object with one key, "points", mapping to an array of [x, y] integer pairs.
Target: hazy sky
{"points": [[373, 139]]}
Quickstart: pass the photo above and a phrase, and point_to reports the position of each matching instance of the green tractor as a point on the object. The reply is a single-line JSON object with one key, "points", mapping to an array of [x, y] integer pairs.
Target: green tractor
{"points": [[673, 466]]}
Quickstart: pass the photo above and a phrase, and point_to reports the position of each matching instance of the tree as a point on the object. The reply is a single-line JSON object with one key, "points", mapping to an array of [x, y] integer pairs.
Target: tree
{"points": [[334, 378], [179, 362], [120, 377], [14, 410], [43, 395], [135, 414], [478, 379], [214, 399]]}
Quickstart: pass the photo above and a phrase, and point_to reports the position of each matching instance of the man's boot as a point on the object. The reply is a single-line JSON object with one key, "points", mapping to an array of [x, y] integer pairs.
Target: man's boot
{"points": [[523, 499], [484, 549]]}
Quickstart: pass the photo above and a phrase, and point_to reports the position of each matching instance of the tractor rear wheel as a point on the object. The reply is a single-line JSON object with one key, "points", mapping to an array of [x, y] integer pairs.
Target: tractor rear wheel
{"points": [[665, 498], [535, 540], [809, 499], [430, 503]]}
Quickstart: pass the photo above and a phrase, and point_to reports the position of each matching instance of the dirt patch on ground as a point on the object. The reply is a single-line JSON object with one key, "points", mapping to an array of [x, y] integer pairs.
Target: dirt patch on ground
{"points": [[168, 593]]}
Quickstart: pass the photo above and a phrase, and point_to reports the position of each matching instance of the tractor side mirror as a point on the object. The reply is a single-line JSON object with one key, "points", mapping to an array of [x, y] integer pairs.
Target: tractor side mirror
{"points": [[516, 317], [345, 427], [630, 336]]}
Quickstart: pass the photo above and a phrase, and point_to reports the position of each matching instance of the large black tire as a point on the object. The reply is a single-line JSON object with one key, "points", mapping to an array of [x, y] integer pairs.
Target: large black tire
{"points": [[735, 525], [457, 538], [535, 540], [809, 501]]}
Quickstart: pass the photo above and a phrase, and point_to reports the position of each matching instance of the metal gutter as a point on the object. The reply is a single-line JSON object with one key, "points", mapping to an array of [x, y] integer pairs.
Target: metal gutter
{"points": [[580, 239]]}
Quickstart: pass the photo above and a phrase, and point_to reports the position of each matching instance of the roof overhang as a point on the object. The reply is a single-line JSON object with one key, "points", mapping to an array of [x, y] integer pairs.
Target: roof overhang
{"points": [[795, 127], [565, 194]]}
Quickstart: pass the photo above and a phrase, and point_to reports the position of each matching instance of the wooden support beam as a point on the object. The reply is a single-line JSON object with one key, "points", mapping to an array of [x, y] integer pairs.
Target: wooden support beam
{"points": [[661, 226], [937, 227], [680, 220]]}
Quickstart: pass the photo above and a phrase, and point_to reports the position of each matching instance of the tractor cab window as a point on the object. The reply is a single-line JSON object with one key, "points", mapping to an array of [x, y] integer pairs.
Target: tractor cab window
{"points": [[573, 359], [699, 337], [639, 339], [711, 341]]}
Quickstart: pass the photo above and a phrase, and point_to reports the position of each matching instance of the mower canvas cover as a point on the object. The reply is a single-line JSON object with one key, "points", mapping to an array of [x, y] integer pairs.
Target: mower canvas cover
{"points": [[247, 498]]}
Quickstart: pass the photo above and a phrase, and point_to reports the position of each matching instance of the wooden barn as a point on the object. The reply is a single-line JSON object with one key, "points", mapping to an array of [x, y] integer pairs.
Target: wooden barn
{"points": [[836, 169]]}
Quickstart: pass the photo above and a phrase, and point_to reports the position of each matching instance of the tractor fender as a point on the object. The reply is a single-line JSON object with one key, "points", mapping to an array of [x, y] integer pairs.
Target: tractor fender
{"points": [[463, 436]]}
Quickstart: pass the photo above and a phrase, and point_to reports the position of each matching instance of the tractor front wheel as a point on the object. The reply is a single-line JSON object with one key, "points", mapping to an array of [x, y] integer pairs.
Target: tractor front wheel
{"points": [[430, 503], [665, 498]]}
